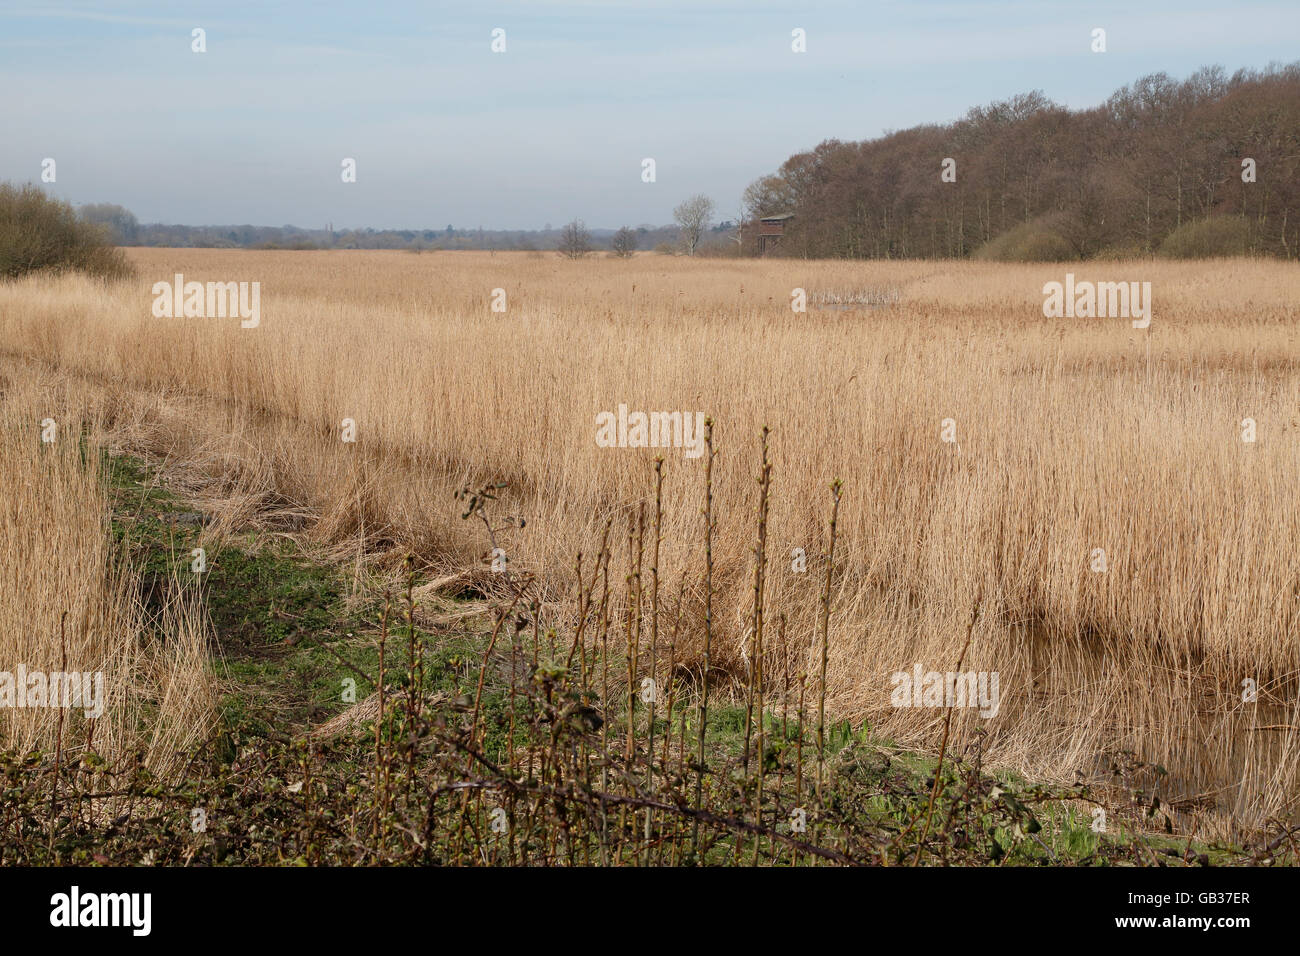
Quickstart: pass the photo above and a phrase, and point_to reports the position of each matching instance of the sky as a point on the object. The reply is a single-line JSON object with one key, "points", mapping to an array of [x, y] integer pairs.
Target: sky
{"points": [[445, 131]]}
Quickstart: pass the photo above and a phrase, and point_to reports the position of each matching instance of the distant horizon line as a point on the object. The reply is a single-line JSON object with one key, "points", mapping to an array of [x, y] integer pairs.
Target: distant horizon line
{"points": [[648, 227]]}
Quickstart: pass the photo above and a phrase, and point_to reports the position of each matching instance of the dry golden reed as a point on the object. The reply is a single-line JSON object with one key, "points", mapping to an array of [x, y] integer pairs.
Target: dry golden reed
{"points": [[70, 602], [1072, 435]]}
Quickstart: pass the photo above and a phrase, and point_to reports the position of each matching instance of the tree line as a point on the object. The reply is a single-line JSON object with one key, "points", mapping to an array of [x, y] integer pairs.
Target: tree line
{"points": [[1206, 166], [125, 230]]}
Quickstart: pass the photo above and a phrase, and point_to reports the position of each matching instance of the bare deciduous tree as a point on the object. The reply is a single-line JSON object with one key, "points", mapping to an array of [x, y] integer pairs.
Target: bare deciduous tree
{"points": [[738, 237], [693, 216], [766, 197], [624, 243], [575, 240]]}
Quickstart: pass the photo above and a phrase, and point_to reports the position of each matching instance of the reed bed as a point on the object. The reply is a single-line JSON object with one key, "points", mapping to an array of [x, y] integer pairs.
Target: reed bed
{"points": [[1071, 436], [71, 600]]}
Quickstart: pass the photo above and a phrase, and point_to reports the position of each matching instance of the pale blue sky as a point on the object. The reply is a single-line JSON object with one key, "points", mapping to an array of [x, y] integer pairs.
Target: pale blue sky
{"points": [[445, 131]]}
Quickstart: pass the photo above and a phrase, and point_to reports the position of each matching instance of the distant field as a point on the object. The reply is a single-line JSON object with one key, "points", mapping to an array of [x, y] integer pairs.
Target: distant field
{"points": [[1071, 435]]}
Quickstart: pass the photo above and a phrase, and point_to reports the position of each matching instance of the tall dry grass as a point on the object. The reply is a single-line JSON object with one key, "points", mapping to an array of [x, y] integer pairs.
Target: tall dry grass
{"points": [[1072, 435], [69, 602]]}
